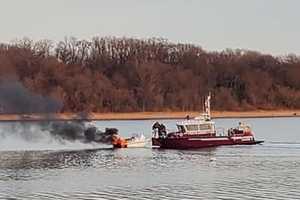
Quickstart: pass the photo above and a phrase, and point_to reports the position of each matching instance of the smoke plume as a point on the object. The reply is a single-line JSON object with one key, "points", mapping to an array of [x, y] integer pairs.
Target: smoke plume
{"points": [[53, 135], [15, 98], [79, 130]]}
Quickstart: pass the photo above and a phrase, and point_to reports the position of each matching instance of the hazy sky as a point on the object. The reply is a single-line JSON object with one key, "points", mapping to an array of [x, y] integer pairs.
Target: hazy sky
{"points": [[270, 26]]}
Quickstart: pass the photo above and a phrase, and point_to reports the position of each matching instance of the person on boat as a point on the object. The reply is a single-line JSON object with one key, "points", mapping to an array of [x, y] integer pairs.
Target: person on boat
{"points": [[162, 131], [187, 117], [241, 128], [156, 125], [155, 128]]}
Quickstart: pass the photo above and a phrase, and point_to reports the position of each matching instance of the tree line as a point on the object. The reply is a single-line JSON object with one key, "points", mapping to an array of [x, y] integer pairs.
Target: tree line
{"points": [[109, 74]]}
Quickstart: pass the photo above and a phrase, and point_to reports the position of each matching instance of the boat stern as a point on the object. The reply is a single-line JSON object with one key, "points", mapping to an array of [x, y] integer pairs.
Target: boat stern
{"points": [[156, 142]]}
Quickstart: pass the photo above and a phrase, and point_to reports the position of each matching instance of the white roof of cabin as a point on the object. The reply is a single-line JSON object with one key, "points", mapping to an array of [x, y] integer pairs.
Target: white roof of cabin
{"points": [[194, 122]]}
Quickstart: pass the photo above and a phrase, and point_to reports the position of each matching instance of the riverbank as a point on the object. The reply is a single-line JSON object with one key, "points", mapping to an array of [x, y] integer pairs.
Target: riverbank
{"points": [[147, 115]]}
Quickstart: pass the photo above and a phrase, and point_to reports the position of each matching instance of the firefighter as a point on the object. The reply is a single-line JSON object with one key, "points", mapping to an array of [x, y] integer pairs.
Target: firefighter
{"points": [[155, 128], [162, 131]]}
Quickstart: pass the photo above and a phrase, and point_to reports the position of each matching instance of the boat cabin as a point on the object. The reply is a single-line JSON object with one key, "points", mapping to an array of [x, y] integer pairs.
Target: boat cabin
{"points": [[196, 126]]}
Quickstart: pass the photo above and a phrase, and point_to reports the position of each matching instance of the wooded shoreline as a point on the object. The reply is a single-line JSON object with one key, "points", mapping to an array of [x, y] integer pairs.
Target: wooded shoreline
{"points": [[110, 74], [147, 115]]}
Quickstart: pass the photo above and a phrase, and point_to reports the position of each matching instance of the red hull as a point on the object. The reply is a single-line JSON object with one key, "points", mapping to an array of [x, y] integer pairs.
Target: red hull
{"points": [[194, 142]]}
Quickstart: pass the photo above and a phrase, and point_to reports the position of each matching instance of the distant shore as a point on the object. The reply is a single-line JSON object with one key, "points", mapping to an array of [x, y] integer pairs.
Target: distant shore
{"points": [[148, 115]]}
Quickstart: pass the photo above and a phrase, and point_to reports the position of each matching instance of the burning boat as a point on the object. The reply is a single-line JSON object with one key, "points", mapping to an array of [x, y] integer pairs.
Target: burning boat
{"points": [[132, 142], [201, 132], [111, 136]]}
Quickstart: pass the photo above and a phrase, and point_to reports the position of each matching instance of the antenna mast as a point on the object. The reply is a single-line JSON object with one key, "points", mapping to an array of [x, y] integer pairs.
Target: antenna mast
{"points": [[207, 107]]}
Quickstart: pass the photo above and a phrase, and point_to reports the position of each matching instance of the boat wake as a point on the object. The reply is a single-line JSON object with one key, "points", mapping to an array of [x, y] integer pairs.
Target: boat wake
{"points": [[282, 145], [285, 143]]}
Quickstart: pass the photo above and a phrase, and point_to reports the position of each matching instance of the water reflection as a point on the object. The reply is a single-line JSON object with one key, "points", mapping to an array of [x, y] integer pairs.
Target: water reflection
{"points": [[268, 171]]}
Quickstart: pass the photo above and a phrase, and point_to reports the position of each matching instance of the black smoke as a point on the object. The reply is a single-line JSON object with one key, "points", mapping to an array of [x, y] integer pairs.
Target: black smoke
{"points": [[16, 99], [79, 131]]}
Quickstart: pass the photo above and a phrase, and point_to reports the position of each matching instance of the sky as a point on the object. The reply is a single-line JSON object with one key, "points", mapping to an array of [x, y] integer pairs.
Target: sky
{"points": [[268, 26]]}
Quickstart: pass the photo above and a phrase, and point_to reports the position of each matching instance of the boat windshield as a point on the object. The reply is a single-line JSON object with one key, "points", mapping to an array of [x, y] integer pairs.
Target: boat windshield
{"points": [[199, 127], [181, 128]]}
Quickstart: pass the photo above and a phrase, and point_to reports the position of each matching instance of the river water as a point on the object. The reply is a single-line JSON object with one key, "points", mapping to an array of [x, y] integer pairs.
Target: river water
{"points": [[34, 166]]}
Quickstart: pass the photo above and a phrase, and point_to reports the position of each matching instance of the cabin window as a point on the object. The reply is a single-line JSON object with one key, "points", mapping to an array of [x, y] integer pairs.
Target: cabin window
{"points": [[181, 128], [192, 127], [205, 126]]}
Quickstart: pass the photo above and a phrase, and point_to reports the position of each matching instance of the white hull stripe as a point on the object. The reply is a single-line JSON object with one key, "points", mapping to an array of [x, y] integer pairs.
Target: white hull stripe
{"points": [[245, 138], [209, 139], [242, 138]]}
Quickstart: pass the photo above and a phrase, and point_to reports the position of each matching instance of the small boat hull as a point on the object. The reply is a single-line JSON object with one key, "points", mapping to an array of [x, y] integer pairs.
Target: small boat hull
{"points": [[195, 143], [130, 145], [136, 144], [133, 142]]}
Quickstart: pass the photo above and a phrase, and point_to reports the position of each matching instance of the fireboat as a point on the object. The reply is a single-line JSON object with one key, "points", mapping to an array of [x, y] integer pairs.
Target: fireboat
{"points": [[201, 132]]}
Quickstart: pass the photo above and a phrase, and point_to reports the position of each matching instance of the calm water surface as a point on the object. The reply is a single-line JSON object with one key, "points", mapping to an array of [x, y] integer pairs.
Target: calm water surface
{"points": [[42, 168]]}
